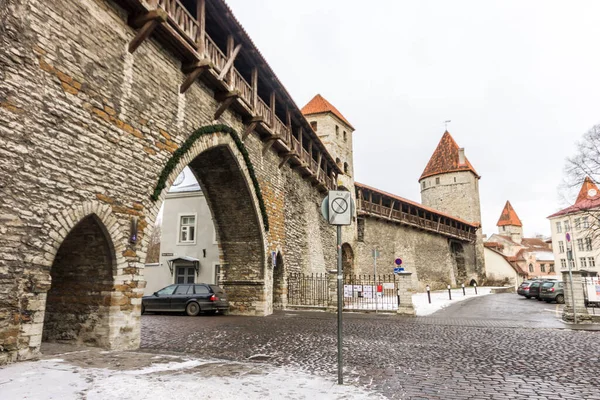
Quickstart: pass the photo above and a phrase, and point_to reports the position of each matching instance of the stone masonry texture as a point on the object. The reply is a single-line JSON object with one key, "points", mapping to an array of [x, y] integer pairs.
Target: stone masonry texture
{"points": [[85, 130]]}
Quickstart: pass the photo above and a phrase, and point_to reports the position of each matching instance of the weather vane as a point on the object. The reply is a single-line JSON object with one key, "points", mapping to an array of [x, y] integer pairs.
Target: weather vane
{"points": [[446, 123]]}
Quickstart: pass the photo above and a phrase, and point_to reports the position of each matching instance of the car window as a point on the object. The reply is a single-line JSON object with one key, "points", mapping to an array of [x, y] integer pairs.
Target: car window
{"points": [[183, 289], [201, 289], [167, 290], [560, 285], [548, 284], [216, 289]]}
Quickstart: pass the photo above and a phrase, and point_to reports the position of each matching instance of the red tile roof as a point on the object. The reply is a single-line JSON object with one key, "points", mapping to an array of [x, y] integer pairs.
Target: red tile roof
{"points": [[445, 159], [319, 105], [586, 200], [414, 203], [509, 216]]}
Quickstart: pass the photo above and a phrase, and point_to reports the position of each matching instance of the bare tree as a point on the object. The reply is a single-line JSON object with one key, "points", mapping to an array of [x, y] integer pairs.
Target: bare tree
{"points": [[153, 255]]}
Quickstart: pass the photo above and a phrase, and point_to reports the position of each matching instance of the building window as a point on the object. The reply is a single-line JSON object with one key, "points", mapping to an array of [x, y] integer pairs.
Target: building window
{"points": [[313, 125], [572, 264], [579, 244], [423, 185], [338, 162], [567, 226], [346, 168], [563, 263], [552, 268], [561, 246], [578, 223], [345, 137], [503, 228], [187, 229], [588, 244], [558, 227], [591, 261], [454, 179], [530, 267], [583, 262], [543, 267], [437, 181], [185, 275], [586, 222], [337, 131]]}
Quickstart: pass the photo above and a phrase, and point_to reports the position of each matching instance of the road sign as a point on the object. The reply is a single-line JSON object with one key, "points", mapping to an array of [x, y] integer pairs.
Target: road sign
{"points": [[398, 270], [340, 207], [274, 258], [570, 255], [568, 237], [398, 261]]}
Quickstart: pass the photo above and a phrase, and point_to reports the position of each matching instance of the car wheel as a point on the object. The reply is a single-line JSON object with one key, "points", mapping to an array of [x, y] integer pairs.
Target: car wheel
{"points": [[560, 299], [192, 309]]}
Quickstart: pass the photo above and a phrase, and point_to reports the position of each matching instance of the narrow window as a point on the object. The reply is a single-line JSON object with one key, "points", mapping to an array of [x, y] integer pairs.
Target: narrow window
{"points": [[586, 222], [454, 179], [313, 125], [187, 229], [346, 168], [592, 261], [345, 135], [580, 244], [543, 267], [423, 185], [437, 181], [558, 227], [552, 268], [583, 262], [337, 131], [567, 226], [563, 263], [588, 244], [530, 267], [577, 223], [561, 246]]}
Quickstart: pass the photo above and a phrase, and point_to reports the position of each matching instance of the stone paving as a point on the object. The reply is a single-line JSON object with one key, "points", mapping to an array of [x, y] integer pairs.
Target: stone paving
{"points": [[453, 354]]}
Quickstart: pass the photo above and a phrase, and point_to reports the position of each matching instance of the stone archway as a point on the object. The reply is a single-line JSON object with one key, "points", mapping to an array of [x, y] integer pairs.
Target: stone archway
{"points": [[78, 302], [232, 195], [279, 289], [348, 259]]}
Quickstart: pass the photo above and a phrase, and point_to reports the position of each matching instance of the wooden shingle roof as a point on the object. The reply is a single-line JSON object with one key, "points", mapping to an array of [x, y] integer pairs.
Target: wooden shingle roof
{"points": [[509, 216], [319, 105], [445, 159]]}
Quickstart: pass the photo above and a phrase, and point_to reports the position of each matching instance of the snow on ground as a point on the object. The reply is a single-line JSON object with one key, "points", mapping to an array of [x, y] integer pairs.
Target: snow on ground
{"points": [[440, 299], [188, 378]]}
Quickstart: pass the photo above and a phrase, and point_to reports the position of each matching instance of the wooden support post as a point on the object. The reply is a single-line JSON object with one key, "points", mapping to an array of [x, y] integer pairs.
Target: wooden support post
{"points": [[285, 158], [201, 12], [254, 81], [273, 100], [392, 208], [227, 99], [195, 70], [319, 159], [250, 128], [230, 56], [148, 22], [269, 142], [228, 68], [300, 135], [310, 149]]}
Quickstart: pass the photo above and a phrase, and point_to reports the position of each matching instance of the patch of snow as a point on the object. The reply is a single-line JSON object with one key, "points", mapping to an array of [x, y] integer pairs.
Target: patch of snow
{"points": [[440, 300]]}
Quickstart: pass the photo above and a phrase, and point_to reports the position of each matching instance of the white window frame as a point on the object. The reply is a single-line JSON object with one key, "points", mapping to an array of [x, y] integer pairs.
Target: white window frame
{"points": [[561, 246], [583, 262], [567, 226], [588, 244], [579, 245], [586, 222], [190, 242], [215, 274], [558, 227], [577, 224], [592, 261]]}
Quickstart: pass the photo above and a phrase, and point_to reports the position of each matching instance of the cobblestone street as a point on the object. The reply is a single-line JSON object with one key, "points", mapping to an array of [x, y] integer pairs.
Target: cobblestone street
{"points": [[444, 356]]}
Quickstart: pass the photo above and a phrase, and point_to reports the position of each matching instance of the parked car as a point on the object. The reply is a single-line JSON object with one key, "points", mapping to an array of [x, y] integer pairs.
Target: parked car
{"points": [[523, 289], [534, 289], [189, 298], [552, 291]]}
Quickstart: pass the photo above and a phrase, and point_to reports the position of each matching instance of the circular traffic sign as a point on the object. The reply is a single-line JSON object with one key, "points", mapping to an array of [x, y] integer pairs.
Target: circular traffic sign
{"points": [[398, 261], [339, 205], [568, 237]]}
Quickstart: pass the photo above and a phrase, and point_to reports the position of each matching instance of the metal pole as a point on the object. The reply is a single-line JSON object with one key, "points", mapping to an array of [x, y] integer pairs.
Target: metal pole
{"points": [[571, 263], [428, 293], [572, 293], [475, 286], [449, 293], [340, 303], [463, 288], [375, 273]]}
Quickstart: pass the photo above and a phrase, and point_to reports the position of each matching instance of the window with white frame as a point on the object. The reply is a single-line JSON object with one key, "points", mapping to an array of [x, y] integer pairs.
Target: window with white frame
{"points": [[187, 229], [580, 244], [583, 262], [592, 261], [558, 227], [567, 226], [578, 223], [563, 263], [588, 244], [561, 246], [586, 222], [572, 263]]}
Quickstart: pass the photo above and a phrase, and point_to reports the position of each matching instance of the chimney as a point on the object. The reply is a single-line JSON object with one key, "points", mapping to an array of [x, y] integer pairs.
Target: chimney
{"points": [[461, 156]]}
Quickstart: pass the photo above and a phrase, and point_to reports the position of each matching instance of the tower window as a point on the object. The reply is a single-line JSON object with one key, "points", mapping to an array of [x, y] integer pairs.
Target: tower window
{"points": [[337, 130], [423, 185], [454, 179], [437, 181], [345, 135], [338, 162], [313, 125], [346, 169]]}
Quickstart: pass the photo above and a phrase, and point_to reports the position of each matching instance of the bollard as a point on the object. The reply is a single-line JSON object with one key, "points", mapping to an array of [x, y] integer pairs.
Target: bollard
{"points": [[463, 287], [449, 293], [475, 286], [428, 293]]}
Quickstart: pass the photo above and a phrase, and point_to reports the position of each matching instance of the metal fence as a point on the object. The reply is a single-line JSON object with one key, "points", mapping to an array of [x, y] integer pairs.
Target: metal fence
{"points": [[308, 289], [367, 292]]}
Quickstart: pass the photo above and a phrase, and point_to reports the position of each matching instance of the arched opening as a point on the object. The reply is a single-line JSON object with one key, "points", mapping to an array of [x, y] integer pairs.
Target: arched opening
{"points": [[279, 290], [347, 259], [458, 254], [79, 299], [213, 234]]}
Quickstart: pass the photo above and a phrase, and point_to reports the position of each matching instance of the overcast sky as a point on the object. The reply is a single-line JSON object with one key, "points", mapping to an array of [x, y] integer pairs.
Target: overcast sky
{"points": [[520, 81]]}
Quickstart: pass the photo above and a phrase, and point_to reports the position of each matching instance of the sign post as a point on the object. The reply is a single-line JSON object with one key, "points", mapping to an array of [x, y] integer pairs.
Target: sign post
{"points": [[570, 261], [338, 208], [375, 255]]}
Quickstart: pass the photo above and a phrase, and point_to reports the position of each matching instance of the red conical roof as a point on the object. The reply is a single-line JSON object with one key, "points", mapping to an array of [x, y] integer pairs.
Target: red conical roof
{"points": [[509, 216], [584, 192], [445, 159], [319, 105]]}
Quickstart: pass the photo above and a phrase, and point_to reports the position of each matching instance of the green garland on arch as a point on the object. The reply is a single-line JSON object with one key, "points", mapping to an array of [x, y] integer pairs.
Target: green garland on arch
{"points": [[181, 151]]}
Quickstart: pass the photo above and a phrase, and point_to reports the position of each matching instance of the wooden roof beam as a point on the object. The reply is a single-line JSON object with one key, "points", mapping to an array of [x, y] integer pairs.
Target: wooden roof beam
{"points": [[148, 23]]}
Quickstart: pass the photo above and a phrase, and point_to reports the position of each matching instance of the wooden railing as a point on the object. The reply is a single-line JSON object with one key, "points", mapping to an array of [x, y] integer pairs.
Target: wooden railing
{"points": [[181, 19], [305, 156], [214, 53], [264, 111], [279, 128], [296, 146], [414, 220], [239, 83]]}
